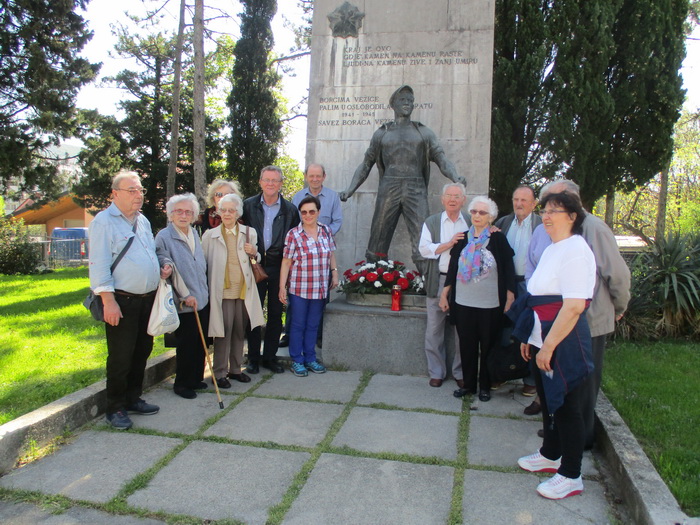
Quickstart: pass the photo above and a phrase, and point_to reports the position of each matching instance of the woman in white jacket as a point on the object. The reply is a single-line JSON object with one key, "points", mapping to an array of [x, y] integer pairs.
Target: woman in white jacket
{"points": [[233, 295]]}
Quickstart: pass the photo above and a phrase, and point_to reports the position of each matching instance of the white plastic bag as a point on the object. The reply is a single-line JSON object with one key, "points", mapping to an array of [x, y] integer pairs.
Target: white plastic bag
{"points": [[164, 319]]}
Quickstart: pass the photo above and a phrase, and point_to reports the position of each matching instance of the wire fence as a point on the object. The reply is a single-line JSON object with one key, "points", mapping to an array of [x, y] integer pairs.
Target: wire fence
{"points": [[63, 253]]}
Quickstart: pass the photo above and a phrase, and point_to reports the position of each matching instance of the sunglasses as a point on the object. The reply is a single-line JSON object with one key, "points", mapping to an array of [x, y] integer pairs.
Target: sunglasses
{"points": [[478, 212], [309, 212]]}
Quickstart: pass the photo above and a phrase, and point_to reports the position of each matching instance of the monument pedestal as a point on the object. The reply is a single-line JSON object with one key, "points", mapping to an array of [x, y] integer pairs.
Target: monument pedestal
{"points": [[376, 339]]}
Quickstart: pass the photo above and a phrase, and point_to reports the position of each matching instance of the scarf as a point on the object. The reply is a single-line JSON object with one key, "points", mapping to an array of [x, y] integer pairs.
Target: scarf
{"points": [[469, 266]]}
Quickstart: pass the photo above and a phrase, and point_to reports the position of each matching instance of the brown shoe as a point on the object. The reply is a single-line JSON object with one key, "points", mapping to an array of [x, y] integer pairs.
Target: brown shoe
{"points": [[460, 383], [435, 382], [529, 390], [532, 410]]}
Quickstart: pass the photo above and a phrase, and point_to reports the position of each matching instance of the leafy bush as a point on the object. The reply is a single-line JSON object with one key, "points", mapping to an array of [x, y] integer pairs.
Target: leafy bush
{"points": [[665, 290], [18, 255]]}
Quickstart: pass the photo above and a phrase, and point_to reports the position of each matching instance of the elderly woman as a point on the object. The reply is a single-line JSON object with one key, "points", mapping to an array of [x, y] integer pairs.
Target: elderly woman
{"points": [[234, 298], [479, 287], [307, 260], [551, 319], [217, 189], [178, 244]]}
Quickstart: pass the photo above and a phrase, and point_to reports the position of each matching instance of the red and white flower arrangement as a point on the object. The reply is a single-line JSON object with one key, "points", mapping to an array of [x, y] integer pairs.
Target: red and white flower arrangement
{"points": [[378, 277]]}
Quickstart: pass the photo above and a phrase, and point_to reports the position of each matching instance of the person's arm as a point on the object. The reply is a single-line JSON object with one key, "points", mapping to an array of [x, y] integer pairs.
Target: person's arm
{"points": [[565, 321], [284, 274], [334, 271], [336, 215], [437, 155]]}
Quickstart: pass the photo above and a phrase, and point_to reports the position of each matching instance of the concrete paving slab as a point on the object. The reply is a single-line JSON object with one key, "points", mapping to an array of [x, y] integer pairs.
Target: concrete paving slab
{"points": [[500, 442], [346, 489], [178, 414], [496, 497], [505, 402], [331, 386], [217, 481], [26, 514], [278, 421], [400, 432], [410, 392], [114, 459]]}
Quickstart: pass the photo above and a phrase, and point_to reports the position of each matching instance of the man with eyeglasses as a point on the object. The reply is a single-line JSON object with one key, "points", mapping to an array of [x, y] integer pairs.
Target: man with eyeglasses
{"points": [[440, 233], [610, 296], [127, 291], [272, 217]]}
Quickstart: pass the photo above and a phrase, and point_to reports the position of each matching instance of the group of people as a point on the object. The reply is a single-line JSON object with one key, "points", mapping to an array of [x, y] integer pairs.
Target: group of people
{"points": [[209, 258], [556, 281]]}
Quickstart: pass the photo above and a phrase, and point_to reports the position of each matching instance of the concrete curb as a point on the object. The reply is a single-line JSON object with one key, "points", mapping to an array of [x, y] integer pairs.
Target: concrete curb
{"points": [[68, 413], [646, 496]]}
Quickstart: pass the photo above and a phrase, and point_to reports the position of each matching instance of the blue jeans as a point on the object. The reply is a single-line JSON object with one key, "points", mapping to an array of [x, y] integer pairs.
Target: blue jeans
{"points": [[304, 328]]}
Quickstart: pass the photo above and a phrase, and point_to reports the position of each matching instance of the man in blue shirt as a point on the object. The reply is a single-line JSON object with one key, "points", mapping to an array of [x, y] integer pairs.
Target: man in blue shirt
{"points": [[127, 294]]}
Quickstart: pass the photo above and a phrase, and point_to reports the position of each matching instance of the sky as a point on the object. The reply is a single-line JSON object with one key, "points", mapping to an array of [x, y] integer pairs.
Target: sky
{"points": [[105, 98]]}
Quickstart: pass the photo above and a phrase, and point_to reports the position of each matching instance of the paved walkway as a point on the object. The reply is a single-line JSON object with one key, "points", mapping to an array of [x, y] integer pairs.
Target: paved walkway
{"points": [[336, 448]]}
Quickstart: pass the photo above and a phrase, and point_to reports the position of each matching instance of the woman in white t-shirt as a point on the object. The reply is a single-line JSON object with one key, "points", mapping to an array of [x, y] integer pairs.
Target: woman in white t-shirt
{"points": [[559, 293]]}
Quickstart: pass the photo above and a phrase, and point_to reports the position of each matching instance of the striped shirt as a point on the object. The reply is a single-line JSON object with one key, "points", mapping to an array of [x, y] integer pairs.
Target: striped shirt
{"points": [[311, 262]]}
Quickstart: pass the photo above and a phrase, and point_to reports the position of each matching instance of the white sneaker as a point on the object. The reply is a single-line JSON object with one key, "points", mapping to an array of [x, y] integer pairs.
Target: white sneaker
{"points": [[559, 487], [538, 463]]}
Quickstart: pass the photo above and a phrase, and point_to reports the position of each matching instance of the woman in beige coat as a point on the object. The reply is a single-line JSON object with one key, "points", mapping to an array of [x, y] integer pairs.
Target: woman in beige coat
{"points": [[233, 295]]}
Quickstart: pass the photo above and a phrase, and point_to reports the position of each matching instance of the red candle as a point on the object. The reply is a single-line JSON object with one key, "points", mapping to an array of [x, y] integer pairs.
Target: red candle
{"points": [[396, 298]]}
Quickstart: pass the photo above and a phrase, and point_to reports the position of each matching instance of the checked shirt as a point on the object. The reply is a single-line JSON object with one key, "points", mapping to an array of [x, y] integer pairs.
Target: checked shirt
{"points": [[311, 262]]}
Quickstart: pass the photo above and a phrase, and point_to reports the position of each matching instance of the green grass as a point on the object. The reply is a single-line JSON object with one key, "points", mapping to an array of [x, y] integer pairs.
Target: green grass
{"points": [[656, 389], [49, 344]]}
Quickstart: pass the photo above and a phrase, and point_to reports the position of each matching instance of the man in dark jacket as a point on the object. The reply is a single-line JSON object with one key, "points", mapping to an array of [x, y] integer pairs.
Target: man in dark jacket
{"points": [[272, 217]]}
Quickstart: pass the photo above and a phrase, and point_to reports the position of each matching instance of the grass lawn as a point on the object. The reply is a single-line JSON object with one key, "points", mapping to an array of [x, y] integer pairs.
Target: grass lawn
{"points": [[49, 344], [656, 389]]}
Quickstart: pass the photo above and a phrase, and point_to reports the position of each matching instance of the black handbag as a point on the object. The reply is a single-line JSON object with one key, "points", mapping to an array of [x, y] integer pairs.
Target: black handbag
{"points": [[505, 362], [94, 302]]}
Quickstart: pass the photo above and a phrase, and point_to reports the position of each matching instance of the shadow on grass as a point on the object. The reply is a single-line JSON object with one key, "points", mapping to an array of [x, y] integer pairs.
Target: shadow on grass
{"points": [[46, 303]]}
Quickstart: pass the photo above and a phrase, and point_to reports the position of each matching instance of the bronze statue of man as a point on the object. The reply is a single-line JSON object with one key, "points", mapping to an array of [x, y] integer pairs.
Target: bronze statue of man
{"points": [[402, 151]]}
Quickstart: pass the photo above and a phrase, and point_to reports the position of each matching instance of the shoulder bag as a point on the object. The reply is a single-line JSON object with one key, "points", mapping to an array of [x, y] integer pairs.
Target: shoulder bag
{"points": [[258, 271]]}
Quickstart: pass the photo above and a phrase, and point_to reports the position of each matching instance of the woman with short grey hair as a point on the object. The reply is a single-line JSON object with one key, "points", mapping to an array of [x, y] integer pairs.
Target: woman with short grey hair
{"points": [[178, 244]]}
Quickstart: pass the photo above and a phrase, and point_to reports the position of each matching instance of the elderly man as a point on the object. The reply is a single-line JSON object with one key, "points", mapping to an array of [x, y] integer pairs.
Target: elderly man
{"points": [[402, 150], [440, 233], [331, 215], [272, 217], [127, 290], [518, 227], [610, 296]]}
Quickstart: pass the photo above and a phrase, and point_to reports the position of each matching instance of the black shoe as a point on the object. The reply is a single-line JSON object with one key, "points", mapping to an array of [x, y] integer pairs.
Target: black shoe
{"points": [[273, 366], [119, 420], [252, 368], [141, 407], [200, 386], [241, 378], [222, 382], [484, 395], [461, 392], [284, 342], [185, 392]]}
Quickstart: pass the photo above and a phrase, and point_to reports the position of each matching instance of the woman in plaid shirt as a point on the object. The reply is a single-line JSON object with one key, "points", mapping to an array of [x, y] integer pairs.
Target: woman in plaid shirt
{"points": [[308, 259]]}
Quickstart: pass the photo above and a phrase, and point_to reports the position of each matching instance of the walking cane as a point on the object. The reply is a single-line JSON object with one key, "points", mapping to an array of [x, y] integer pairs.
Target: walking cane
{"points": [[206, 352]]}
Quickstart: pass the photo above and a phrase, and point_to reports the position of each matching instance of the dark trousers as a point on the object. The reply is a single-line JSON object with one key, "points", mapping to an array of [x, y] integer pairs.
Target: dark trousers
{"points": [[563, 437], [189, 367], [591, 387], [269, 287], [128, 348], [477, 329]]}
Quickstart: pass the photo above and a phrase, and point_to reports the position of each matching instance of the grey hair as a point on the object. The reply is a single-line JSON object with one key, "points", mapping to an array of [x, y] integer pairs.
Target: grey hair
{"points": [[236, 199], [569, 186], [119, 177], [461, 187], [483, 199], [276, 169], [216, 184], [185, 197]]}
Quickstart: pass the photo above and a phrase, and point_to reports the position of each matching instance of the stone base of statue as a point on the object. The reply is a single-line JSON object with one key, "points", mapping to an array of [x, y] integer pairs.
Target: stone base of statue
{"points": [[375, 338]]}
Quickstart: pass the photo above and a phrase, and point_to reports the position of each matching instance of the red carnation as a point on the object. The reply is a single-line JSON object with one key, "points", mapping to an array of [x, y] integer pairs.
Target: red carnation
{"points": [[380, 271], [354, 278], [403, 283], [371, 277], [360, 263], [388, 277], [410, 276]]}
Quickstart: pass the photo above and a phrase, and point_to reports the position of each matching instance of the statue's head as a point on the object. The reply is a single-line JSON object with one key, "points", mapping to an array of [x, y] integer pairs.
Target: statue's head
{"points": [[402, 95]]}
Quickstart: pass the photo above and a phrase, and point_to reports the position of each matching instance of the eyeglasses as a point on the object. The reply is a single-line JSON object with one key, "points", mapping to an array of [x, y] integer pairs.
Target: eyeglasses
{"points": [[133, 191], [227, 210], [219, 194], [309, 212], [271, 181], [187, 213], [479, 212], [453, 197], [544, 213]]}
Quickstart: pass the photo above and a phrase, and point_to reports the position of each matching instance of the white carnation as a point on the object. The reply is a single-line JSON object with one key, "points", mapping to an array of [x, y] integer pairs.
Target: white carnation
{"points": [[377, 284], [361, 279]]}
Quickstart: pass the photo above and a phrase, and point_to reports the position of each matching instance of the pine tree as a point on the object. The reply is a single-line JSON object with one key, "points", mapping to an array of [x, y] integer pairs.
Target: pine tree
{"points": [[40, 76], [256, 128]]}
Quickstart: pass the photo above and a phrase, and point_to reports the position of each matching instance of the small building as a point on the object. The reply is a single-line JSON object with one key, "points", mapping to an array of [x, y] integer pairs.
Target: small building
{"points": [[61, 213]]}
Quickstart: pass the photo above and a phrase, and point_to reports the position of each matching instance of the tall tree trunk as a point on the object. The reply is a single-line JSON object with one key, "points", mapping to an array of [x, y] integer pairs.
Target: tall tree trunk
{"points": [[661, 208], [610, 209], [175, 124], [200, 179]]}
